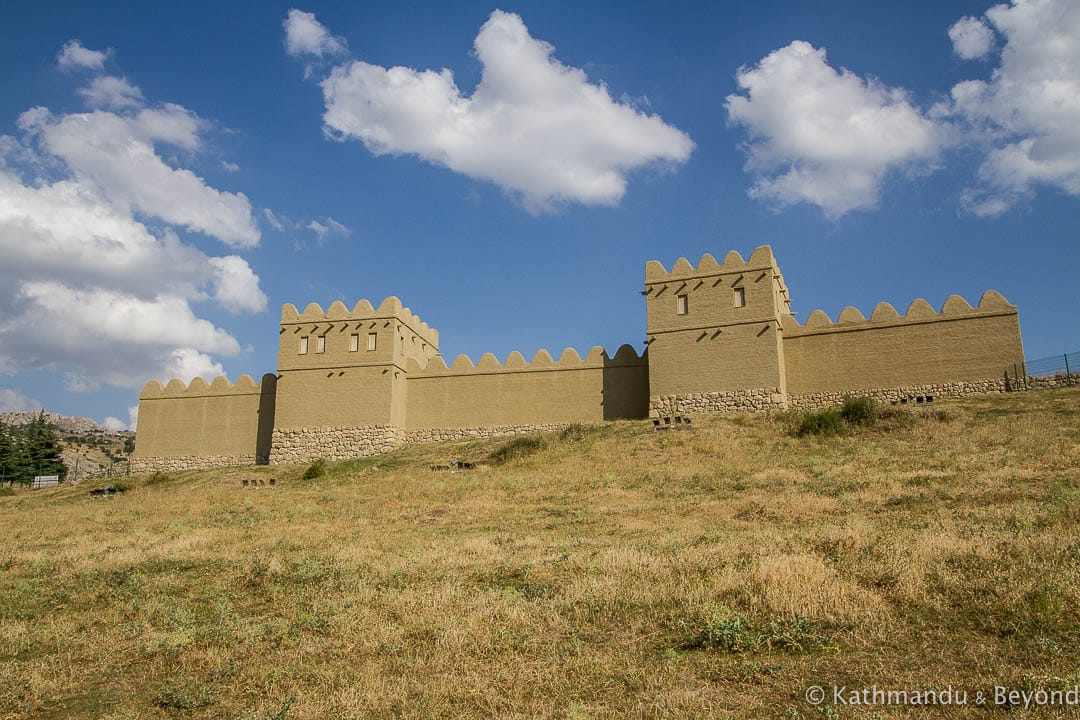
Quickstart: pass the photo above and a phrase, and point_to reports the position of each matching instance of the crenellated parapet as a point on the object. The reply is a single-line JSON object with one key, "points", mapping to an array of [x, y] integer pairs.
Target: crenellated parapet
{"points": [[198, 387], [542, 361], [760, 259], [991, 304], [338, 314]]}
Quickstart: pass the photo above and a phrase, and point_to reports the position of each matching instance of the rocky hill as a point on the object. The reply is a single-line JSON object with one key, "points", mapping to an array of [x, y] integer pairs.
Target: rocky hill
{"points": [[63, 423], [89, 449]]}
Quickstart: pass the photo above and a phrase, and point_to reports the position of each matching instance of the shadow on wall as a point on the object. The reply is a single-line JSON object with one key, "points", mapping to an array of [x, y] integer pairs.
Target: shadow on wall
{"points": [[267, 404], [626, 386]]}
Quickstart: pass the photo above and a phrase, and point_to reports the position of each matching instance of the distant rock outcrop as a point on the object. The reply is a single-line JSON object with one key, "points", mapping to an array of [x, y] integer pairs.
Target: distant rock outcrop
{"points": [[63, 423]]}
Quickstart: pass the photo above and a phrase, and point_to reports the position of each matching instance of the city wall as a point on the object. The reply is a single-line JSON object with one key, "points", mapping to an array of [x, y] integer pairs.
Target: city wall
{"points": [[441, 402], [204, 425], [957, 351], [721, 338], [519, 394]]}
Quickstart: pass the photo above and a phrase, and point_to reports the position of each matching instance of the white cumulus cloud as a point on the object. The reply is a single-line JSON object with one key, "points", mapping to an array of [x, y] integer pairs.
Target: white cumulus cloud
{"points": [[304, 35], [1029, 109], [88, 285], [107, 316], [236, 286], [15, 401], [971, 38], [77, 383], [109, 336], [275, 222], [115, 424], [824, 136], [74, 55], [115, 154], [107, 91], [328, 227], [537, 128]]}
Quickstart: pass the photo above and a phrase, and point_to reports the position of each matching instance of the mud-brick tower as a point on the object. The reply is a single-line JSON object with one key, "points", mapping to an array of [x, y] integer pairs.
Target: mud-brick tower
{"points": [[714, 333], [341, 378]]}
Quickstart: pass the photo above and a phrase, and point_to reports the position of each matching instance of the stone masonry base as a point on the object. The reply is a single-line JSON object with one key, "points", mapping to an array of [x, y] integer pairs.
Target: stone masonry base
{"points": [[341, 443], [430, 435], [190, 462], [764, 399], [754, 400], [299, 445], [1052, 381], [894, 395]]}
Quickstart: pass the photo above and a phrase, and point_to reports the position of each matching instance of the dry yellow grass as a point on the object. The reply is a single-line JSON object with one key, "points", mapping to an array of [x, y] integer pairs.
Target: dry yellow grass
{"points": [[619, 572]]}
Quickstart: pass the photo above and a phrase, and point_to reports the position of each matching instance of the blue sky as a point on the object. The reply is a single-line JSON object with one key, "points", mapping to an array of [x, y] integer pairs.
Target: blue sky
{"points": [[170, 174]]}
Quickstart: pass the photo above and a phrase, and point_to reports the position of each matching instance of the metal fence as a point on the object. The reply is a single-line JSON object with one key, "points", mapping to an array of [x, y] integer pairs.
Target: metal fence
{"points": [[1064, 366]]}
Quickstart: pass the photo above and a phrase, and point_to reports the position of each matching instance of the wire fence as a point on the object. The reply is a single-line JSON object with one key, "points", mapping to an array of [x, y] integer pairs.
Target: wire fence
{"points": [[1065, 364]]}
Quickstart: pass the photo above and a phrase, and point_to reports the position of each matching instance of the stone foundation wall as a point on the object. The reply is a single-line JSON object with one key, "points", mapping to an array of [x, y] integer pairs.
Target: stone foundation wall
{"points": [[1052, 381], [765, 399], [912, 393], [300, 445], [430, 435], [140, 465], [756, 400]]}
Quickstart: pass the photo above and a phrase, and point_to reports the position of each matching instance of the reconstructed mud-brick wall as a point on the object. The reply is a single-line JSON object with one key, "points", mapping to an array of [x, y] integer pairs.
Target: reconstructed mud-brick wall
{"points": [[715, 328], [519, 393], [203, 425], [346, 368], [721, 338], [921, 347]]}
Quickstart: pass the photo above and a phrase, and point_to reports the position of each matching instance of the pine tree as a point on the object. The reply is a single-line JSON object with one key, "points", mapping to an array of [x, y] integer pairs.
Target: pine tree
{"points": [[43, 448], [19, 464], [7, 455]]}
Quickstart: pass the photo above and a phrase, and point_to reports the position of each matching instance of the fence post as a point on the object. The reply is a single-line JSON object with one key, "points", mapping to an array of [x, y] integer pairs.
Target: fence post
{"points": [[1068, 375]]}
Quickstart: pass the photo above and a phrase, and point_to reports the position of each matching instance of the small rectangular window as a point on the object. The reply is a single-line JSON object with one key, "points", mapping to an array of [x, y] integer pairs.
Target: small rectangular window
{"points": [[740, 297], [320, 344], [372, 338], [354, 342], [303, 346], [683, 304]]}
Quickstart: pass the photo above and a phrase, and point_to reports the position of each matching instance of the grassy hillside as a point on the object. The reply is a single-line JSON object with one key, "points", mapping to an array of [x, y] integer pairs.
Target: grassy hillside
{"points": [[610, 572]]}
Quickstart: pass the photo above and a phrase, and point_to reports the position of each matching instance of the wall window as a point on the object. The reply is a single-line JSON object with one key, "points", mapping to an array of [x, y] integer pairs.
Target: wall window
{"points": [[682, 304], [354, 342], [320, 344], [740, 297], [303, 346], [372, 339]]}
